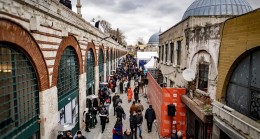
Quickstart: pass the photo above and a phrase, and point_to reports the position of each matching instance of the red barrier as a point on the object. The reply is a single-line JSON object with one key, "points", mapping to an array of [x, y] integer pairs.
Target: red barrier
{"points": [[160, 98]]}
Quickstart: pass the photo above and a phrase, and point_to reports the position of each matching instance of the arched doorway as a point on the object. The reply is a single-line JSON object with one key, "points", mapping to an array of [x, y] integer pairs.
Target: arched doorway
{"points": [[68, 88], [101, 65], [19, 95], [90, 69], [243, 90]]}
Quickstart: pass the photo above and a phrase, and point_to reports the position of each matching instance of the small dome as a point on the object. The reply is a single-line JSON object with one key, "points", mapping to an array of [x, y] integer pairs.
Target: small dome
{"points": [[217, 7], [154, 39]]}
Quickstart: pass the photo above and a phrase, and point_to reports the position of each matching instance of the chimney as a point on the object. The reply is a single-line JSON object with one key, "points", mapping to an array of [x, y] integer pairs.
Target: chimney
{"points": [[79, 8]]}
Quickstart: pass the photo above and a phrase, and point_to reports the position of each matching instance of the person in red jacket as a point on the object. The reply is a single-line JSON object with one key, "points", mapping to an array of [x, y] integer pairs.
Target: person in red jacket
{"points": [[129, 94]]}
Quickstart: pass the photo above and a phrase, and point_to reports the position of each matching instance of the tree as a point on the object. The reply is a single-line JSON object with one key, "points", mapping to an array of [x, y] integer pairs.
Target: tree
{"points": [[140, 41], [106, 26]]}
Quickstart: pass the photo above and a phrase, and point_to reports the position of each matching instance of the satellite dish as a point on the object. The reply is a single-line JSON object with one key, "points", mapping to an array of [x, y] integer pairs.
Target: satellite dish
{"points": [[188, 75]]}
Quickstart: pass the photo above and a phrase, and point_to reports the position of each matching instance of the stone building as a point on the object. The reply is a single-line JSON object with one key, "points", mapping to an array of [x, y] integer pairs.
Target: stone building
{"points": [[50, 60], [194, 43], [236, 110]]}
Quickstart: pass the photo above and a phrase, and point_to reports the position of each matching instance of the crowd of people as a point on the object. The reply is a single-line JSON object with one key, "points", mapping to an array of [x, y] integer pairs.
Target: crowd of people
{"points": [[121, 78]]}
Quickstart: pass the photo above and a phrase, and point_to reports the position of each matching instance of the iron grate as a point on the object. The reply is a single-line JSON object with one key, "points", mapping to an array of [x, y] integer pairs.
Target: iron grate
{"points": [[68, 75], [19, 94]]}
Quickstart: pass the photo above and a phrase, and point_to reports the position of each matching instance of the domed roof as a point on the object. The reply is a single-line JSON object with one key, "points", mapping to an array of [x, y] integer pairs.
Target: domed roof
{"points": [[217, 7], [154, 39]]}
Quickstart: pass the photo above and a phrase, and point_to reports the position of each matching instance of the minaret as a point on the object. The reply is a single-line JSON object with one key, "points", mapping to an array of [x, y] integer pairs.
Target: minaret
{"points": [[79, 7]]}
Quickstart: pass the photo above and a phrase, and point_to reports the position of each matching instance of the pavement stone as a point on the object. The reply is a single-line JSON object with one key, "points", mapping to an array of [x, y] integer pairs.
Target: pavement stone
{"points": [[96, 132]]}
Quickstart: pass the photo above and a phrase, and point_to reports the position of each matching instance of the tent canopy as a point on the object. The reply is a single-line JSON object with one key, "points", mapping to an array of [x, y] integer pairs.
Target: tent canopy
{"points": [[146, 55], [150, 64]]}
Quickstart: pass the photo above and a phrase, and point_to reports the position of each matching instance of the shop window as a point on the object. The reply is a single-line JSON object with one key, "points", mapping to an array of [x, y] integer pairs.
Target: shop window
{"points": [[107, 65], [203, 77], [101, 64], [179, 53], [172, 52], [243, 92], [160, 51], [19, 94], [163, 53], [90, 69]]}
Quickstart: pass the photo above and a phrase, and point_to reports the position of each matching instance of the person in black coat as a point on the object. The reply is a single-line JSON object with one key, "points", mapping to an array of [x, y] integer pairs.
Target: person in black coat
{"points": [[150, 117], [119, 111], [87, 117], [103, 117], [121, 86], [133, 124], [114, 102]]}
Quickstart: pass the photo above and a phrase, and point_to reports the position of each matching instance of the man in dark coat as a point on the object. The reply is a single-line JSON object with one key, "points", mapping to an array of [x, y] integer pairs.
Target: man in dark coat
{"points": [[121, 86], [87, 117], [133, 124], [103, 115], [119, 111], [150, 117], [114, 102]]}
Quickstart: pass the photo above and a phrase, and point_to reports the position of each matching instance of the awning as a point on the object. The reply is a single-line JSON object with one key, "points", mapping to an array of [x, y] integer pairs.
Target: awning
{"points": [[150, 64], [146, 55]]}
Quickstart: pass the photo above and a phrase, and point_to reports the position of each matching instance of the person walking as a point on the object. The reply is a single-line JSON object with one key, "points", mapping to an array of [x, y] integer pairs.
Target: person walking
{"points": [[136, 94], [79, 135], [128, 134], [121, 87], [140, 106], [150, 117], [87, 117], [139, 119], [118, 129], [103, 115], [120, 113], [114, 102], [133, 124], [133, 108], [68, 135], [129, 94]]}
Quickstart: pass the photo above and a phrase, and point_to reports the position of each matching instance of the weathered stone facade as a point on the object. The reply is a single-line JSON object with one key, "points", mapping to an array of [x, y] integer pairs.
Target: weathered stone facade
{"points": [[43, 29], [199, 38]]}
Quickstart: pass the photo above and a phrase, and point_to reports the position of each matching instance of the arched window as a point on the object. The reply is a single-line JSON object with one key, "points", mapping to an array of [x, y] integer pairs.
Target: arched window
{"points": [[19, 94], [101, 64], [90, 67], [67, 85], [243, 92]]}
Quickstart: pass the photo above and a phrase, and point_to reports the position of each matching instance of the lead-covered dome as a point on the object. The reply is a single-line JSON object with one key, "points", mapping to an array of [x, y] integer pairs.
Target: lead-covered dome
{"points": [[217, 7], [154, 39]]}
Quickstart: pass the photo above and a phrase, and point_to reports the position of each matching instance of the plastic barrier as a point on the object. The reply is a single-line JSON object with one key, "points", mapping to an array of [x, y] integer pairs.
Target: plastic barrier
{"points": [[160, 98]]}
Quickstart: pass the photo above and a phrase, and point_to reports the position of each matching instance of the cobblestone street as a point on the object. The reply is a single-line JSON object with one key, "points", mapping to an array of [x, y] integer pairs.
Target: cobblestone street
{"points": [[96, 132]]}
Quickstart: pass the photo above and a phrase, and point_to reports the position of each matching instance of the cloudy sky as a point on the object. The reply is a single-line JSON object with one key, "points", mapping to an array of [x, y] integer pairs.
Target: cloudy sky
{"points": [[139, 18]]}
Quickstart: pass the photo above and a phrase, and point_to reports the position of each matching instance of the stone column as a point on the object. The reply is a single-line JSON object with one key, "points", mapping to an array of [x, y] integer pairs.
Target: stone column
{"points": [[82, 98], [96, 79], [48, 105], [79, 8]]}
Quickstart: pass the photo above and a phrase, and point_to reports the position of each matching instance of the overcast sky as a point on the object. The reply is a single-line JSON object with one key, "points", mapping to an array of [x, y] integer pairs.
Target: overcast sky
{"points": [[139, 18]]}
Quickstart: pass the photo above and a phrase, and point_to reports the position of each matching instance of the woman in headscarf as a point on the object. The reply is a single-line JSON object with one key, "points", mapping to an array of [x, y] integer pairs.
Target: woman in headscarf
{"points": [[118, 129]]}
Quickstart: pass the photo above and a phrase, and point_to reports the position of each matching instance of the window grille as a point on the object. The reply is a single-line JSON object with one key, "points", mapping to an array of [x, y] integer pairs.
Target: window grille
{"points": [[172, 52], [90, 67], [68, 75], [101, 63], [243, 92], [19, 94], [179, 53], [203, 77]]}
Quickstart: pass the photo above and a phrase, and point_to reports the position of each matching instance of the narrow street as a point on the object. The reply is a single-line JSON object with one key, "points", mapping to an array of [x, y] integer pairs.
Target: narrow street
{"points": [[96, 132]]}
